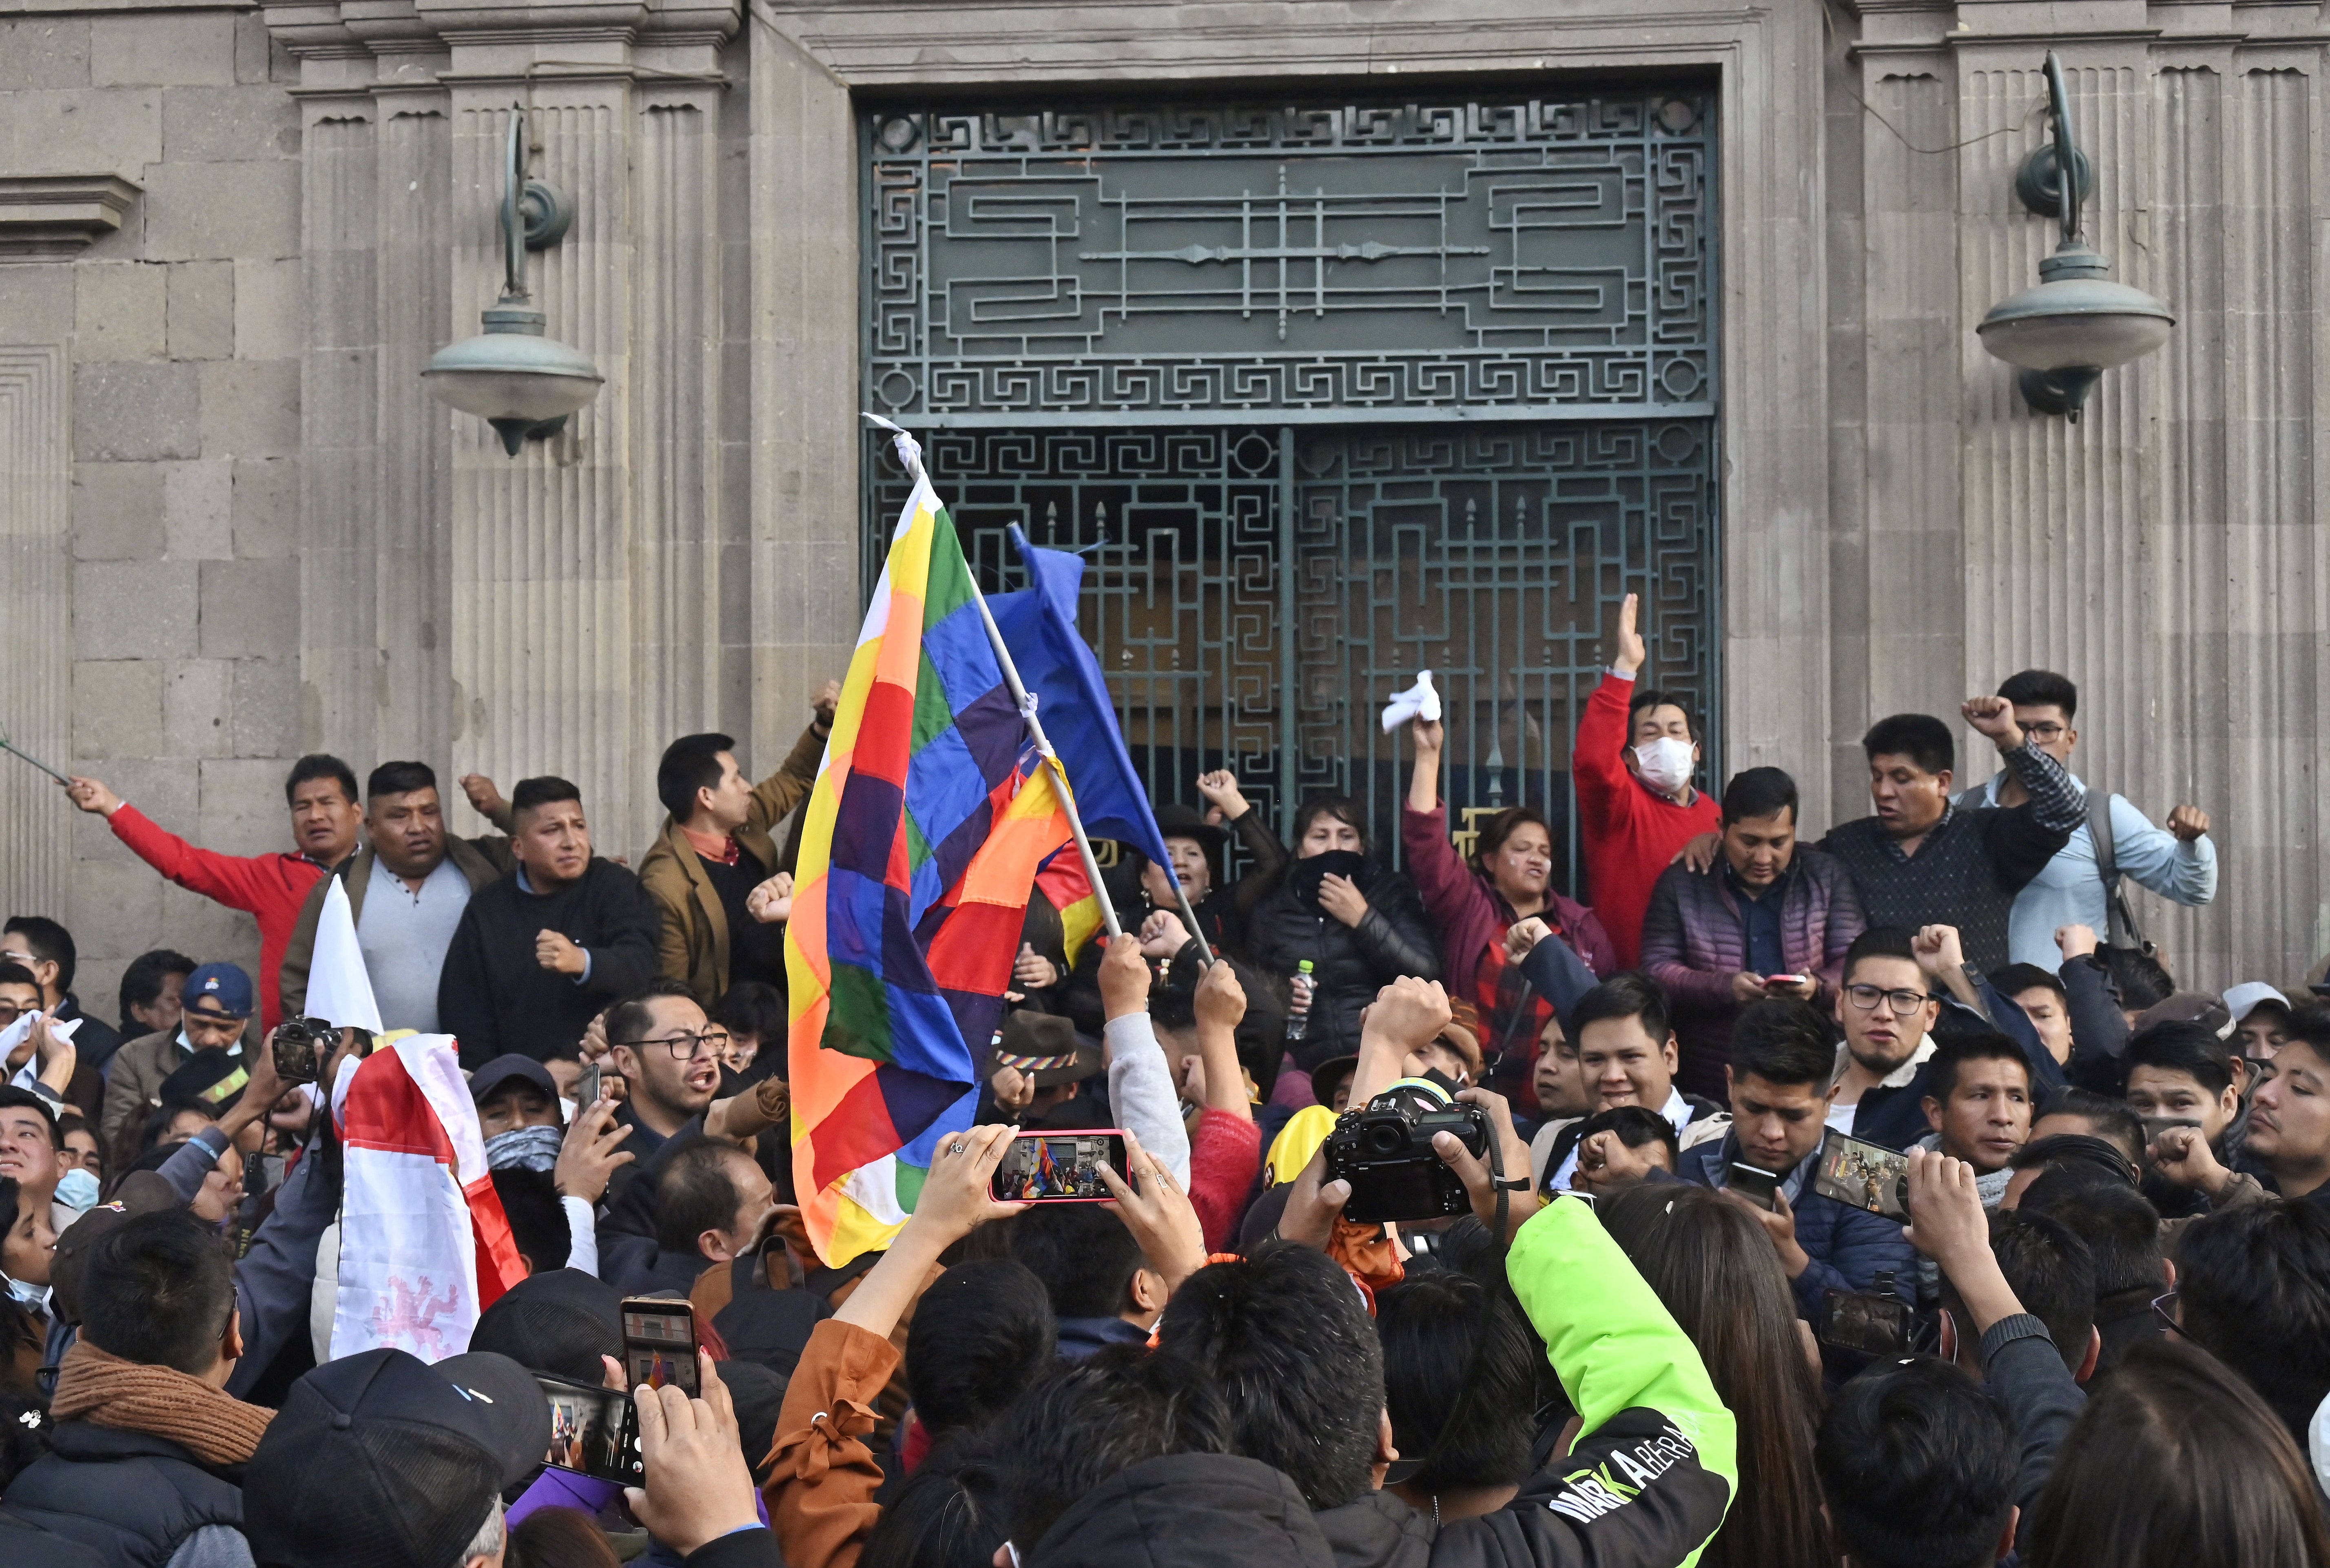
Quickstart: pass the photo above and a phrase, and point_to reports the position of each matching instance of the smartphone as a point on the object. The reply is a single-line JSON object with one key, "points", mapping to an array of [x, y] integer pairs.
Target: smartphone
{"points": [[659, 1342], [591, 1430], [2154, 1126], [586, 1088], [1867, 1323], [1757, 1186], [1057, 1167], [1784, 982], [1867, 1176]]}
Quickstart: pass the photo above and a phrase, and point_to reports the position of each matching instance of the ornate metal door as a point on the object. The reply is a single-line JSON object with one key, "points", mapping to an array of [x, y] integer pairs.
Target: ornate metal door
{"points": [[1329, 394]]}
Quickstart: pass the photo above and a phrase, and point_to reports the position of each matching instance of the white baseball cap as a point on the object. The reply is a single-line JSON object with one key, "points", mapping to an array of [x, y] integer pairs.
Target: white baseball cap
{"points": [[2250, 996]]}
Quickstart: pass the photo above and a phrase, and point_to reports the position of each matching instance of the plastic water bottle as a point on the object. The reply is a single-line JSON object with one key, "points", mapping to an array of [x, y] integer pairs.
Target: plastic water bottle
{"points": [[1298, 1010]]}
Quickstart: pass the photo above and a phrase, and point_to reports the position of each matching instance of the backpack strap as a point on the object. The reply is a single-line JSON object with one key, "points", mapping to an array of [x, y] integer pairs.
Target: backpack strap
{"points": [[2121, 928]]}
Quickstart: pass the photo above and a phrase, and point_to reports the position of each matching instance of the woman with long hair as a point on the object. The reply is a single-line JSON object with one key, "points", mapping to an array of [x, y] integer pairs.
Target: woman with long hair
{"points": [[2175, 1462], [1358, 922], [1474, 900], [1714, 1269]]}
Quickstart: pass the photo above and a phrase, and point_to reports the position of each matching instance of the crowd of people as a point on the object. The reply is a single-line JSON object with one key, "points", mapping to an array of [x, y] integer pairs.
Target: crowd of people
{"points": [[1880, 1201]]}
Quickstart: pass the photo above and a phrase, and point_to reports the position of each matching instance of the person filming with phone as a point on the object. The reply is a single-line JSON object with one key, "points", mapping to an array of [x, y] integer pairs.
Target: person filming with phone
{"points": [[1783, 1076]]}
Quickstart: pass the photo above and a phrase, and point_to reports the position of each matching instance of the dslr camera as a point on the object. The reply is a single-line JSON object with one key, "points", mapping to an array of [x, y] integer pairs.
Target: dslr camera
{"points": [[1384, 1149], [302, 1047]]}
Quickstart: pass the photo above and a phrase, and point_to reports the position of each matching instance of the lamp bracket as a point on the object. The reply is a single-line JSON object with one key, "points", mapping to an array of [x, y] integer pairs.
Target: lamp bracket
{"points": [[546, 212], [2058, 391], [2034, 181]]}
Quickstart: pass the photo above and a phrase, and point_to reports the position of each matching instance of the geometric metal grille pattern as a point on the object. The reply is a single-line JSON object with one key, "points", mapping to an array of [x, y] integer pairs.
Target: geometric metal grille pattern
{"points": [[1494, 555], [1185, 264], [1325, 393]]}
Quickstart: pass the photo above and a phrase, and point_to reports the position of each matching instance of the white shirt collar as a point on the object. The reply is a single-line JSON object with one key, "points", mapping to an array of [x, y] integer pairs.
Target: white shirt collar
{"points": [[1676, 1109], [1900, 1077]]}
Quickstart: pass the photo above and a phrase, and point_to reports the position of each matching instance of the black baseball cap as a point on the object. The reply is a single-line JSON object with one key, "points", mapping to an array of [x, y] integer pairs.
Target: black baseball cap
{"points": [[493, 1074], [141, 1192], [559, 1322], [381, 1460]]}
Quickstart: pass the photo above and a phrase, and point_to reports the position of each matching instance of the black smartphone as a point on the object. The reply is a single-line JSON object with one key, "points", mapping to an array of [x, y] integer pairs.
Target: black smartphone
{"points": [[591, 1430], [659, 1342], [586, 1088], [1757, 1186], [1057, 1167], [1867, 1176], [1867, 1323]]}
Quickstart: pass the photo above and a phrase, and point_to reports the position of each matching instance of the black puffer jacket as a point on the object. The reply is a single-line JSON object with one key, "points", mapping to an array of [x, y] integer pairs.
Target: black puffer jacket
{"points": [[1348, 964], [1187, 1511], [130, 1497]]}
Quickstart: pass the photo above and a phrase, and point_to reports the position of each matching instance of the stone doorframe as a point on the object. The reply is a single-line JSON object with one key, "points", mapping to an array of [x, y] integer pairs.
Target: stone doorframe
{"points": [[810, 61]]}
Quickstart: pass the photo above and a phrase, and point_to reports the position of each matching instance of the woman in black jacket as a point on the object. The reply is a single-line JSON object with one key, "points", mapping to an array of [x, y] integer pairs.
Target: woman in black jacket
{"points": [[1360, 925]]}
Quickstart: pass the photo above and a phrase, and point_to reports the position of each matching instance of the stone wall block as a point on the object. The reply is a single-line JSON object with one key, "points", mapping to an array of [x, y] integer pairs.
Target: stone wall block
{"points": [[125, 413], [48, 51], [267, 319], [266, 508], [117, 708], [202, 309], [162, 49], [36, 570], [79, 132], [250, 408], [222, 211], [263, 717], [120, 311], [134, 609], [198, 509], [117, 900], [196, 708], [210, 125], [117, 511], [242, 805], [166, 789], [249, 608]]}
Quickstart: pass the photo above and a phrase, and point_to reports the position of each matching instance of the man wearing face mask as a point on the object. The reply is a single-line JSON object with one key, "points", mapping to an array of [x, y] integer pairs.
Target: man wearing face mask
{"points": [[1636, 753]]}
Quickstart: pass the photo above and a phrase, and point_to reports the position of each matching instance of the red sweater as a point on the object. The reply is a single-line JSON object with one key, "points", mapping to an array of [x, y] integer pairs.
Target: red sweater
{"points": [[1630, 834], [1224, 1159], [270, 888]]}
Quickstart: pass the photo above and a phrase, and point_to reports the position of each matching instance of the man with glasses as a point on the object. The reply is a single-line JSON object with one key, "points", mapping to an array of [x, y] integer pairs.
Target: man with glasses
{"points": [[2176, 862], [43, 1061], [667, 1053]]}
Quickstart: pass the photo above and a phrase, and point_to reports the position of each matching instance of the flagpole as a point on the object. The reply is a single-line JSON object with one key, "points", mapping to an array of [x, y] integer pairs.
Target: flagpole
{"points": [[910, 451]]}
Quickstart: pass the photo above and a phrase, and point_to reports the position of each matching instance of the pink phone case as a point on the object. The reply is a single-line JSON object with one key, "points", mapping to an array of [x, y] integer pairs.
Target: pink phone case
{"points": [[1037, 1171]]}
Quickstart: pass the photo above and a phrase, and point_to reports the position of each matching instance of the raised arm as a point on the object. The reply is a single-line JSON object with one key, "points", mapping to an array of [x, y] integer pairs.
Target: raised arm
{"points": [[1598, 764], [2022, 839], [237, 882], [2177, 862]]}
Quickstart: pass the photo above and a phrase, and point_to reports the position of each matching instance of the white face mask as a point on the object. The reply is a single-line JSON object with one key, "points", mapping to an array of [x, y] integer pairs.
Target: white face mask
{"points": [[1665, 764]]}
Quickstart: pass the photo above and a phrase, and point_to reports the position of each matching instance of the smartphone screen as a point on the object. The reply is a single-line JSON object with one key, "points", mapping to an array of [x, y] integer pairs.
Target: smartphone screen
{"points": [[586, 1088], [591, 1430], [1867, 1176], [1057, 1167], [1866, 1323], [1754, 1183], [659, 1342]]}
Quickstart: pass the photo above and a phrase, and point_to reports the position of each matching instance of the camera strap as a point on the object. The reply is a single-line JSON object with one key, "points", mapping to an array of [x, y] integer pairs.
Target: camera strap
{"points": [[1505, 1193]]}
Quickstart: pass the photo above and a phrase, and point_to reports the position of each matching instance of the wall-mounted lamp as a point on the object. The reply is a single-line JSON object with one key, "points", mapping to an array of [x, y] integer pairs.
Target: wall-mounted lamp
{"points": [[518, 381], [2077, 322]]}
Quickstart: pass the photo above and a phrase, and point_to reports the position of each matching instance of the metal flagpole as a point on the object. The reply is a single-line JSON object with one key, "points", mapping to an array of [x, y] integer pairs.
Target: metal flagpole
{"points": [[912, 452], [7, 746]]}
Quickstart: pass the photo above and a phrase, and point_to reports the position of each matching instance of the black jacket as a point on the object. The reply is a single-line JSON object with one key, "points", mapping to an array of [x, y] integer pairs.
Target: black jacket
{"points": [[1187, 1511], [1348, 964], [494, 997], [130, 1497]]}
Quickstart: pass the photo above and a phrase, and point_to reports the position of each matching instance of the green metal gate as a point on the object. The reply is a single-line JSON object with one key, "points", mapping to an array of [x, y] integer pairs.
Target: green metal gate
{"points": [[1327, 394]]}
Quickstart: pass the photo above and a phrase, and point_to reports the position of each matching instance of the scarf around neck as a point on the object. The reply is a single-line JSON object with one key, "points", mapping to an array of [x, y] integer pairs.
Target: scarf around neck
{"points": [[102, 1389]]}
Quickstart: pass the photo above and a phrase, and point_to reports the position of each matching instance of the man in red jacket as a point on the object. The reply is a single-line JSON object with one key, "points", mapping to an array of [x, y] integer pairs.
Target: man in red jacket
{"points": [[322, 794], [1637, 752]]}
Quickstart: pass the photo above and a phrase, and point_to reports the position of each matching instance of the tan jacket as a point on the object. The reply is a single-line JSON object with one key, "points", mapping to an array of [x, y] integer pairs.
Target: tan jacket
{"points": [[132, 1084], [482, 860], [695, 945]]}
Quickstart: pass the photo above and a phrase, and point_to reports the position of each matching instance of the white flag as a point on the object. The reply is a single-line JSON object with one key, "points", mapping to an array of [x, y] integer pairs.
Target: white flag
{"points": [[339, 990]]}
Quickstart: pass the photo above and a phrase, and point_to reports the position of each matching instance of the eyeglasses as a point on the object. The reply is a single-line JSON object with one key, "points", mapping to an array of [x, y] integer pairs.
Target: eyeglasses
{"points": [[10, 1013], [684, 1047], [2165, 1308], [2044, 732], [1866, 999]]}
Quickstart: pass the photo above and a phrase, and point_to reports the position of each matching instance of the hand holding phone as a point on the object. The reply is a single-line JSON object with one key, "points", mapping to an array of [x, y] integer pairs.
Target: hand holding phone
{"points": [[1784, 982], [1757, 1186], [586, 1088], [1867, 1176], [591, 1430]]}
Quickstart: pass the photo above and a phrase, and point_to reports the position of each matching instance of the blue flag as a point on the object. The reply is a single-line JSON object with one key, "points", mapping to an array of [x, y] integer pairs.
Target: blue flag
{"points": [[1040, 627]]}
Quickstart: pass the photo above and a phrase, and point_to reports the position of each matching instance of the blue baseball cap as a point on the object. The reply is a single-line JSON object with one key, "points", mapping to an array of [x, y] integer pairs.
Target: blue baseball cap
{"points": [[222, 988]]}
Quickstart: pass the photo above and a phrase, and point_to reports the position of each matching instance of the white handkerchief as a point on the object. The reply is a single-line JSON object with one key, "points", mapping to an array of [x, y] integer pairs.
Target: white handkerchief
{"points": [[1420, 701]]}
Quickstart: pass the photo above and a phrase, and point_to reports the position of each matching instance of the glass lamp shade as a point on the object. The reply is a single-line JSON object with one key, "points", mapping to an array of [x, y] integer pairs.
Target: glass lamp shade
{"points": [[508, 375], [2075, 318], [518, 381]]}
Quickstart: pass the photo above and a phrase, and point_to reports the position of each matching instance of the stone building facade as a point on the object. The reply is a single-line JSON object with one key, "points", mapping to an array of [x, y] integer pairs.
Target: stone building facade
{"points": [[236, 528]]}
